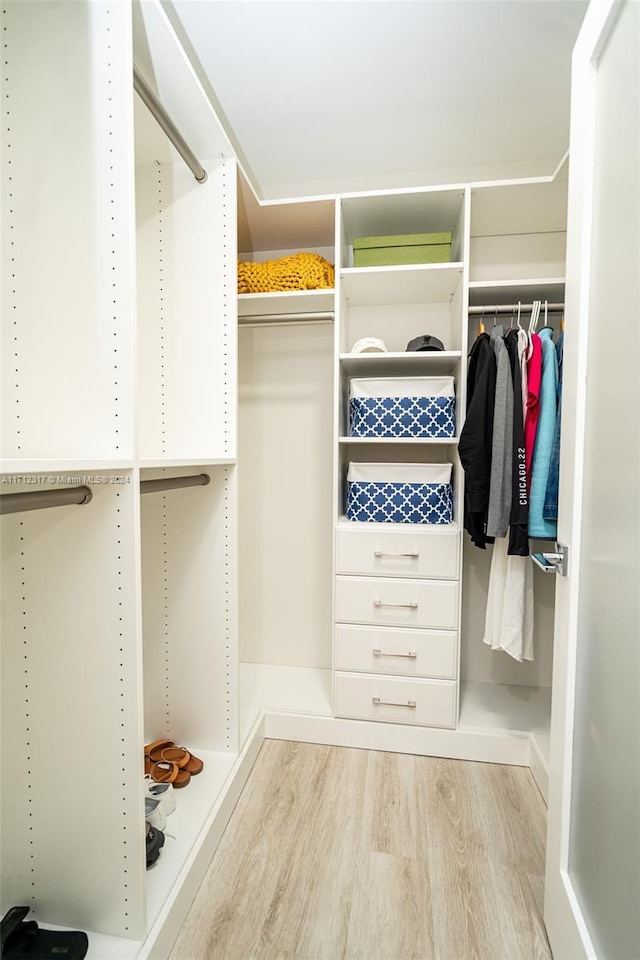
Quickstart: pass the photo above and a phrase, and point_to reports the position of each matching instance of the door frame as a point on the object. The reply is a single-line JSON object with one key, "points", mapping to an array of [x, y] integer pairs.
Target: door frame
{"points": [[566, 926]]}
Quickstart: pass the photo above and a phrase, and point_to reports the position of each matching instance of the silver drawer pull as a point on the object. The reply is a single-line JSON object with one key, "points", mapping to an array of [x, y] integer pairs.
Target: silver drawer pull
{"points": [[407, 656], [409, 606], [376, 701], [382, 553]]}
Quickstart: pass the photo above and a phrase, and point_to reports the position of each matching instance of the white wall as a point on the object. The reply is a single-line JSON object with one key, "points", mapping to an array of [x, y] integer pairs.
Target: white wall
{"points": [[285, 511]]}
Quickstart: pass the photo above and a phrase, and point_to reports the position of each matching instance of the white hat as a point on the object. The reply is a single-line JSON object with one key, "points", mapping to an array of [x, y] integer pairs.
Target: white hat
{"points": [[369, 345]]}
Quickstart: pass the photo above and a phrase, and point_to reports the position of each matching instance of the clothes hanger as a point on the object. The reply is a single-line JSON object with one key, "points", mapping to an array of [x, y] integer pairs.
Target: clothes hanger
{"points": [[535, 313], [481, 324], [546, 318], [562, 321]]}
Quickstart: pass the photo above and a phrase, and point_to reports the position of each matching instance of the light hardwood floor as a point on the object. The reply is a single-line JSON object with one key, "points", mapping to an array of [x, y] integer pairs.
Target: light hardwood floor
{"points": [[338, 853]]}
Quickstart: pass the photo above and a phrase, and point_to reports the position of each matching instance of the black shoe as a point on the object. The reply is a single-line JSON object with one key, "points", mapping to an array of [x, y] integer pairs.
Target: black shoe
{"points": [[155, 843], [24, 940]]}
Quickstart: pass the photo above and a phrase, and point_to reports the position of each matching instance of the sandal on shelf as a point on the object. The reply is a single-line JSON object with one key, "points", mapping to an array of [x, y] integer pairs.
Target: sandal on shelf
{"points": [[194, 765], [167, 750], [165, 763]]}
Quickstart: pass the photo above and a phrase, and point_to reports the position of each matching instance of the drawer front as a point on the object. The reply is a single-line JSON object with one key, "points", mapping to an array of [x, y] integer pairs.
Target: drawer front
{"points": [[414, 553], [429, 703], [399, 603], [389, 650]]}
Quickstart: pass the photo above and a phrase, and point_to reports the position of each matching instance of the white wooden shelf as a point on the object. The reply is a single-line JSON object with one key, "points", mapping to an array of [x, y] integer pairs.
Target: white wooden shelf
{"points": [[399, 441], [417, 283], [152, 464], [510, 291], [194, 804], [429, 528], [400, 364], [62, 468], [251, 306]]}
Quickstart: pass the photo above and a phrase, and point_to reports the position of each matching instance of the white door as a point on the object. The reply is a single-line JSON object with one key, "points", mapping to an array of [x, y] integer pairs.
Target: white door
{"points": [[592, 893]]}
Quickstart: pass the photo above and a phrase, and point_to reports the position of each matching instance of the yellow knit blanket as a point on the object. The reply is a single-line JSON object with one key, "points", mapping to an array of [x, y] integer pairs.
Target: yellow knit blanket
{"points": [[300, 271]]}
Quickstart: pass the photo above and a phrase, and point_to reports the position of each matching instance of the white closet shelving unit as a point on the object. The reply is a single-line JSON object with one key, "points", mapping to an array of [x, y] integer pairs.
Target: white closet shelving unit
{"points": [[119, 617], [286, 347], [517, 254], [508, 245], [398, 662], [71, 640]]}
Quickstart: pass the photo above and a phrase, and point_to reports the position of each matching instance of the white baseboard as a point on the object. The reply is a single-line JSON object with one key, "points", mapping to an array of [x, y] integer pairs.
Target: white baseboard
{"points": [[566, 928], [400, 738], [539, 768]]}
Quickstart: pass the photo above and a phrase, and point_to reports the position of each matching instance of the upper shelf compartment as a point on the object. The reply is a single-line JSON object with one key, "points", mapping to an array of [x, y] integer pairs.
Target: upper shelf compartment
{"points": [[270, 231], [518, 231], [398, 213], [424, 283]]}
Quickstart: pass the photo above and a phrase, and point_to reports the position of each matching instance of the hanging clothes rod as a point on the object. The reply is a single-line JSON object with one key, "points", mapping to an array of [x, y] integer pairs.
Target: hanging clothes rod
{"points": [[513, 308], [284, 318], [152, 103], [173, 483], [41, 499]]}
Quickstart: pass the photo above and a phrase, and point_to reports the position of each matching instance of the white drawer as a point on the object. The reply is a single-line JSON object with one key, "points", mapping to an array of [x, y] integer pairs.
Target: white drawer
{"points": [[392, 650], [400, 603], [410, 553], [430, 703]]}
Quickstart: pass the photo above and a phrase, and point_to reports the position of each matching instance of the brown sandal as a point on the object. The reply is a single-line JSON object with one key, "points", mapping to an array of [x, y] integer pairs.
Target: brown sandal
{"points": [[163, 757], [167, 750]]}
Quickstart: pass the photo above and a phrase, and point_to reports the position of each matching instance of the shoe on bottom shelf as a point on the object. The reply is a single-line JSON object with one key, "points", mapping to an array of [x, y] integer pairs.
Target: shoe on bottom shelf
{"points": [[154, 813], [163, 792], [154, 844], [22, 939]]}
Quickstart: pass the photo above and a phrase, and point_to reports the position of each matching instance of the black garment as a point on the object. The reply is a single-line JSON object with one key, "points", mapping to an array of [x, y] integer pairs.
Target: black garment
{"points": [[519, 517], [474, 447]]}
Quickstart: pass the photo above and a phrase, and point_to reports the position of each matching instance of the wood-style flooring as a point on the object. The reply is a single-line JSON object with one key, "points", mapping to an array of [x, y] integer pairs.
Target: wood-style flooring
{"points": [[338, 853]]}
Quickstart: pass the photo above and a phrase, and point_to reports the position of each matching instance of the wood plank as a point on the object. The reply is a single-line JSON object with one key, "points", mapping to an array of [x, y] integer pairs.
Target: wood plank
{"points": [[335, 853]]}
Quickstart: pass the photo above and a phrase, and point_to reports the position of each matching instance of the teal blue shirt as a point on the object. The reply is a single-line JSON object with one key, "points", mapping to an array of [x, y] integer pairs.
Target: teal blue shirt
{"points": [[538, 526]]}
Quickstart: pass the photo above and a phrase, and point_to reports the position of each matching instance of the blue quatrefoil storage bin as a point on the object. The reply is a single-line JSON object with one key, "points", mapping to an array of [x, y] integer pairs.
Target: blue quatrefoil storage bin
{"points": [[400, 492], [410, 407]]}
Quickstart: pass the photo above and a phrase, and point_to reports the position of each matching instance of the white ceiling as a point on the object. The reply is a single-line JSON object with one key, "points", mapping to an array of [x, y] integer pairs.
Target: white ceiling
{"points": [[329, 97]]}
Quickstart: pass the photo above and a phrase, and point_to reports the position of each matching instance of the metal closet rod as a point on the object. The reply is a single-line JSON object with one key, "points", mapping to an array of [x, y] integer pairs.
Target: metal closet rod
{"points": [[152, 103], [173, 483], [64, 496], [513, 308], [265, 318], [41, 499]]}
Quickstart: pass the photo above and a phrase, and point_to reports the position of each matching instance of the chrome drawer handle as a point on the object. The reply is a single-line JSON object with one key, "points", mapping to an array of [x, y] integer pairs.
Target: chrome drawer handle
{"points": [[382, 553], [409, 606], [407, 656], [377, 702]]}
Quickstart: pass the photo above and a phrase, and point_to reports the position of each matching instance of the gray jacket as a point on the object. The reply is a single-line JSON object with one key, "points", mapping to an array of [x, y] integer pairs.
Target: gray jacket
{"points": [[500, 490]]}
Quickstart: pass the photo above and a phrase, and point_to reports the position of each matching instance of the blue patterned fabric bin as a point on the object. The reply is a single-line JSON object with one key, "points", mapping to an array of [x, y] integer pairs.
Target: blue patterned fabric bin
{"points": [[412, 407], [400, 493]]}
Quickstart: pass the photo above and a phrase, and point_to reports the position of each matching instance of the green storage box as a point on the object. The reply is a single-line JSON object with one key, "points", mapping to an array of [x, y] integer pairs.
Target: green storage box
{"points": [[403, 249]]}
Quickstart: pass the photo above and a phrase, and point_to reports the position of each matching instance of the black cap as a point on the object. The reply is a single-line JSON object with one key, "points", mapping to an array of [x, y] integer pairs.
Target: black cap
{"points": [[425, 342]]}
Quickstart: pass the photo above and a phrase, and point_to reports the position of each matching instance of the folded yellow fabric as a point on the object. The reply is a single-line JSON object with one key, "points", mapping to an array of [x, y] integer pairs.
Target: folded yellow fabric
{"points": [[299, 271]]}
